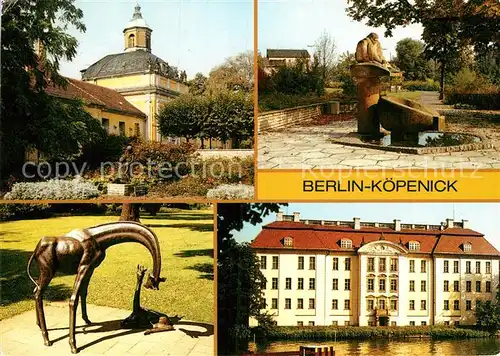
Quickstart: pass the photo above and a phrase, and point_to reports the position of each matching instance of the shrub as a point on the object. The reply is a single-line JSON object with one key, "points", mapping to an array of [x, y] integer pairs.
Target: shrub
{"points": [[231, 192], [421, 85], [108, 149], [23, 211], [471, 88], [225, 170], [186, 187], [76, 189]]}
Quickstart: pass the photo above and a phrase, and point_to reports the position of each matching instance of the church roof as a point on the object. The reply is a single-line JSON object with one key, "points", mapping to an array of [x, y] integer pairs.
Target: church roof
{"points": [[95, 95], [128, 63]]}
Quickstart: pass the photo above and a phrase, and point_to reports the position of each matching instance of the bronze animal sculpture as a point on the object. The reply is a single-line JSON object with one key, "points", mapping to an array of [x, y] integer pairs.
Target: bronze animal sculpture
{"points": [[145, 318], [80, 252], [370, 50]]}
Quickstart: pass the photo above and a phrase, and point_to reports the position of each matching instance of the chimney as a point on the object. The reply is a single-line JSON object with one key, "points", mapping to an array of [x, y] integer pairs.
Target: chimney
{"points": [[357, 224], [296, 216], [279, 216], [397, 225], [449, 223], [465, 224]]}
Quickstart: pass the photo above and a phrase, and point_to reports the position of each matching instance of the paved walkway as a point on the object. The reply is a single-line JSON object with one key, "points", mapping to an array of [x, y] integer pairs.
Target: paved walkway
{"points": [[21, 336], [311, 148]]}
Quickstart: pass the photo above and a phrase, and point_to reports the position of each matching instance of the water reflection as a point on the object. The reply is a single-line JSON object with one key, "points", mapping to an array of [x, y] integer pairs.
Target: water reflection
{"points": [[394, 348]]}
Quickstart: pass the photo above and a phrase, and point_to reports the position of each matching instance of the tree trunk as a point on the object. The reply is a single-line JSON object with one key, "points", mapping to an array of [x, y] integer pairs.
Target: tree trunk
{"points": [[130, 212], [441, 82]]}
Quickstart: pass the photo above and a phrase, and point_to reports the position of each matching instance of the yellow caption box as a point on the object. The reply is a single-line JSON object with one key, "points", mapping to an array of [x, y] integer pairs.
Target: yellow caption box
{"points": [[375, 185]]}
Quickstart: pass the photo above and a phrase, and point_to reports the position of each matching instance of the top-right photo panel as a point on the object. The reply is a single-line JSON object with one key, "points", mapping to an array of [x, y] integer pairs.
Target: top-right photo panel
{"points": [[378, 84]]}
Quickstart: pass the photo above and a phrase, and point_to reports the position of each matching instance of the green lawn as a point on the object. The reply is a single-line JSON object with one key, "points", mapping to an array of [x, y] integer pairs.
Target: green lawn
{"points": [[412, 95], [186, 240]]}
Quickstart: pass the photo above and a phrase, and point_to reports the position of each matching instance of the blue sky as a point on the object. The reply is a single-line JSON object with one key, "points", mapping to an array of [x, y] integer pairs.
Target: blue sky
{"points": [[483, 217], [195, 35], [298, 23]]}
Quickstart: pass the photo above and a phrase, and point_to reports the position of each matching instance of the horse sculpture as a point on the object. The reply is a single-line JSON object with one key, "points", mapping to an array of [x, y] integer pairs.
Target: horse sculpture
{"points": [[80, 252]]}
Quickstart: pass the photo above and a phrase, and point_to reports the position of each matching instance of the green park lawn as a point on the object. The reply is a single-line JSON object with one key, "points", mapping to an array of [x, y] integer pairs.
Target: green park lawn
{"points": [[186, 241]]}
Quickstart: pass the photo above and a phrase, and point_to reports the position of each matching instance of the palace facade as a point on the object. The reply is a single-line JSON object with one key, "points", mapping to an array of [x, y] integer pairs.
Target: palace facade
{"points": [[322, 272]]}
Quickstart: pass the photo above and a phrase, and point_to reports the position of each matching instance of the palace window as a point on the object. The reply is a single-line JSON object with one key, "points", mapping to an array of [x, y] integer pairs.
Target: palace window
{"points": [[467, 267], [347, 284], [381, 265], [381, 285], [467, 247], [446, 286], [370, 305], [423, 285], [335, 284], [288, 241], [488, 287], [412, 286], [478, 286], [371, 285], [311, 323], [263, 284], [347, 304], [371, 264], [345, 243], [300, 283], [381, 304], [468, 305], [288, 303], [288, 283], [301, 262], [300, 323], [312, 303], [263, 262], [478, 266], [394, 304], [446, 267], [456, 323], [137, 130], [335, 264], [446, 305], [347, 264], [423, 267], [456, 305], [275, 283], [300, 303], [312, 263], [455, 266], [121, 128], [394, 285], [275, 262], [423, 305], [456, 287], [488, 267], [335, 322], [335, 304], [468, 286], [412, 323], [447, 322], [412, 305], [131, 41], [394, 264], [347, 323], [423, 323], [414, 246], [312, 283], [105, 124], [274, 303], [263, 303], [393, 323], [412, 266]]}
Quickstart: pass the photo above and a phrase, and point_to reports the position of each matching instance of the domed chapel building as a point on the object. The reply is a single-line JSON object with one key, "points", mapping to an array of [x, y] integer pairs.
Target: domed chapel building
{"points": [[145, 80]]}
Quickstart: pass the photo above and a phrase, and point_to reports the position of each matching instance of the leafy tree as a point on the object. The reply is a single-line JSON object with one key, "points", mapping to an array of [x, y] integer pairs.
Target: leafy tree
{"points": [[342, 73], [235, 74], [239, 293], [325, 52], [410, 59], [31, 118], [198, 84], [488, 314]]}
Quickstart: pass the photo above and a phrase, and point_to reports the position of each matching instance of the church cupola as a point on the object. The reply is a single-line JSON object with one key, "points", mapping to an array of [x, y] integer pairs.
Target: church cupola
{"points": [[137, 34]]}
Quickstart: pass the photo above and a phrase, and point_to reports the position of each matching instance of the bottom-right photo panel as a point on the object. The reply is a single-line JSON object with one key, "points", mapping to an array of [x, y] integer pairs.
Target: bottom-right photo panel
{"points": [[358, 279]]}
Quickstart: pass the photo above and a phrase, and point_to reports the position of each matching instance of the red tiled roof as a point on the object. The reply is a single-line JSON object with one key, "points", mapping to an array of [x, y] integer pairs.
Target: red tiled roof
{"points": [[327, 237], [93, 94]]}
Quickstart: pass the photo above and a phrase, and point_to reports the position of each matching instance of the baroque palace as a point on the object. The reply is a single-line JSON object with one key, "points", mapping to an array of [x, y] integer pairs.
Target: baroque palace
{"points": [[322, 272]]}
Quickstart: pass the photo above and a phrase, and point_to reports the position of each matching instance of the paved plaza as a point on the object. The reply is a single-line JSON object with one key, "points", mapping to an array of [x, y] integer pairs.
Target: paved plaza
{"points": [[21, 336]]}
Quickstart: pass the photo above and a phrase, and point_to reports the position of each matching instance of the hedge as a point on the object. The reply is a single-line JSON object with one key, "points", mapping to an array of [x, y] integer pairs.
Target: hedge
{"points": [[488, 101], [421, 85], [366, 332]]}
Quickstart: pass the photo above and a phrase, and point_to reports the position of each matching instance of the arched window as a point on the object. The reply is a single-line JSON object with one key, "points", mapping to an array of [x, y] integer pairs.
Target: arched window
{"points": [[148, 41], [414, 246], [288, 241], [467, 247], [131, 41], [345, 243]]}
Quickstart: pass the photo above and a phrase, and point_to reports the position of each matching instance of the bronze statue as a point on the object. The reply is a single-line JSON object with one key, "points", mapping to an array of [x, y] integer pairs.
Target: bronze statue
{"points": [[81, 252], [370, 50]]}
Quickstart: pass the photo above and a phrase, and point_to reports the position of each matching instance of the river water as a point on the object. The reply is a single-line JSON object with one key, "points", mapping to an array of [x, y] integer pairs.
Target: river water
{"points": [[414, 347]]}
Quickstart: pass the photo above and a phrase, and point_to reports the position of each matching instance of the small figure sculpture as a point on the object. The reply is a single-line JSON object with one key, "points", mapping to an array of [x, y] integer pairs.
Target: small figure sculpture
{"points": [[183, 76], [82, 251], [370, 50]]}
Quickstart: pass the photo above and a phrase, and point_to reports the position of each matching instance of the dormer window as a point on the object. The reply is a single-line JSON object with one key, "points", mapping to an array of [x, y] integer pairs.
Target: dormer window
{"points": [[345, 243], [288, 241], [414, 246], [467, 247]]}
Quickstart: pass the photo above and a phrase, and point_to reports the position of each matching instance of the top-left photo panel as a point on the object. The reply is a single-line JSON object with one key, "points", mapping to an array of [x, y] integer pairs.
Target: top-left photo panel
{"points": [[127, 100]]}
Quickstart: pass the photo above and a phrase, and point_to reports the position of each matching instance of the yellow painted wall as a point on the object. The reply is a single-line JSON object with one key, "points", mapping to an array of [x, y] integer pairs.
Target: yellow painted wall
{"points": [[139, 37], [115, 119], [139, 80]]}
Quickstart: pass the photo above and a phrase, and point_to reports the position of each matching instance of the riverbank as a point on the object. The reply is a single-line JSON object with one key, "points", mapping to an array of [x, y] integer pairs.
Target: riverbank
{"points": [[368, 332]]}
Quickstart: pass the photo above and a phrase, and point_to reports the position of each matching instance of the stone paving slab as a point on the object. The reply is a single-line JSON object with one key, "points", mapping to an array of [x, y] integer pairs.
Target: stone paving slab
{"points": [[20, 335], [310, 148]]}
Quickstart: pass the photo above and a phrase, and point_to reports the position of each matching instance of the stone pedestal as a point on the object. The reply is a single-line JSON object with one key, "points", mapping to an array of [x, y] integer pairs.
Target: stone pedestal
{"points": [[367, 77]]}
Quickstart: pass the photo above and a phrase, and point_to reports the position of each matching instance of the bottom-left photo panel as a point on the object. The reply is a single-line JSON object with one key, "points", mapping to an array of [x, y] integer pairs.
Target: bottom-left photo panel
{"points": [[107, 279]]}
